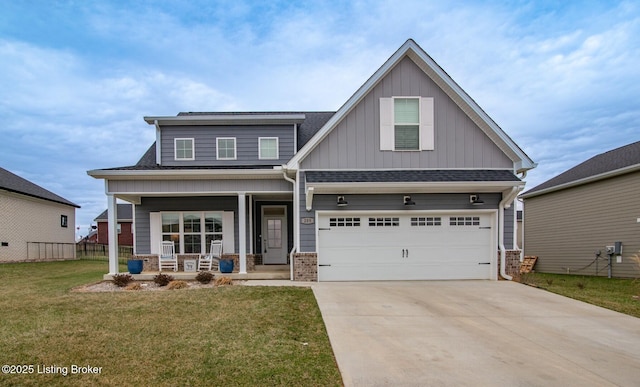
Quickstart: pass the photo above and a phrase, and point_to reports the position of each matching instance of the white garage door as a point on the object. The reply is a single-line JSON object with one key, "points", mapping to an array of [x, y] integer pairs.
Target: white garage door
{"points": [[373, 246]]}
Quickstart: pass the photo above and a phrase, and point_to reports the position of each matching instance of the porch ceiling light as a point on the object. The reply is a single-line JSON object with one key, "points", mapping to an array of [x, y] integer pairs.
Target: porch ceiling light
{"points": [[475, 200], [341, 202], [408, 201]]}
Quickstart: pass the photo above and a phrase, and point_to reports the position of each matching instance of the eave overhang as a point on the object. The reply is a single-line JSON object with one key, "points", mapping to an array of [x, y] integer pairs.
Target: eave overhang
{"points": [[227, 119], [186, 174], [586, 180]]}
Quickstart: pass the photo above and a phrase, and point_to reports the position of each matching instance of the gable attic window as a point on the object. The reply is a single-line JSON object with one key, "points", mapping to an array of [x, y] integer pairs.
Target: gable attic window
{"points": [[226, 148], [406, 124], [184, 149]]}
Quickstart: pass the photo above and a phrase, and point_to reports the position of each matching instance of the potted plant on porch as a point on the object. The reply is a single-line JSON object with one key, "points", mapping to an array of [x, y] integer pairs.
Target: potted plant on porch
{"points": [[134, 265], [226, 265]]}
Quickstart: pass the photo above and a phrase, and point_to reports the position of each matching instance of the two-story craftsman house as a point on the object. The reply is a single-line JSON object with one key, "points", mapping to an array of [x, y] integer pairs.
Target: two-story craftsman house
{"points": [[409, 179]]}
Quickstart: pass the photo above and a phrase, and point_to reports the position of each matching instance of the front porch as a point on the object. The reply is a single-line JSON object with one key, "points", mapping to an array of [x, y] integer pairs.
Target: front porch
{"points": [[259, 272]]}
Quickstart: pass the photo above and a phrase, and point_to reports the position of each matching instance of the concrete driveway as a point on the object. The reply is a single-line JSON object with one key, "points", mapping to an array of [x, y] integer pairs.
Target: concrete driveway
{"points": [[475, 333]]}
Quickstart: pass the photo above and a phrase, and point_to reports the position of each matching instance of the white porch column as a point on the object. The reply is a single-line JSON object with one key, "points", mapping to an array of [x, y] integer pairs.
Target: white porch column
{"points": [[112, 229], [242, 231]]}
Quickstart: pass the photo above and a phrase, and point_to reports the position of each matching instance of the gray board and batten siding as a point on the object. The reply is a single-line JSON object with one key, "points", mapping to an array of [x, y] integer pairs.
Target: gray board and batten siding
{"points": [[355, 142], [565, 228], [246, 144], [393, 202]]}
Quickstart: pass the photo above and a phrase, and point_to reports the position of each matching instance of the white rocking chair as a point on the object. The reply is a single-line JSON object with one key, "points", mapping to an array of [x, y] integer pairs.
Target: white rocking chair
{"points": [[167, 258], [212, 259]]}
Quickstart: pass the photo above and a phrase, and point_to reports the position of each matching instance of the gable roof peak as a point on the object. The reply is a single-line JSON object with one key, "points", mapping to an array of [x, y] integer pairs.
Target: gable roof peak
{"points": [[411, 49]]}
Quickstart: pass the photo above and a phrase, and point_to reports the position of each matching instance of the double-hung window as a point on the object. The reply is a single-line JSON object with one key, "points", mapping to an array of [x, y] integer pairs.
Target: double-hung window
{"points": [[226, 148], [268, 148], [184, 149], [406, 124]]}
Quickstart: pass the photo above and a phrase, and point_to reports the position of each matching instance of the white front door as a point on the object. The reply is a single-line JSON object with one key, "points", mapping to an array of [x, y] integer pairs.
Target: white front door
{"points": [[274, 235]]}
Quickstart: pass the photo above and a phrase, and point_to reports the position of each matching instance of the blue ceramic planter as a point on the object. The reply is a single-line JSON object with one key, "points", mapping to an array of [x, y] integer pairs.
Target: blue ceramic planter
{"points": [[226, 266], [134, 266]]}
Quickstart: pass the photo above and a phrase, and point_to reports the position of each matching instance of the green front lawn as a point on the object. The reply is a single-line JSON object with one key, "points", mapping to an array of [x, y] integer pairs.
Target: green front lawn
{"points": [[616, 294], [233, 335]]}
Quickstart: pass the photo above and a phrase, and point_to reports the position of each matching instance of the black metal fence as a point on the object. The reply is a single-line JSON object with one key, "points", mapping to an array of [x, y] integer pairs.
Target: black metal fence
{"points": [[100, 252]]}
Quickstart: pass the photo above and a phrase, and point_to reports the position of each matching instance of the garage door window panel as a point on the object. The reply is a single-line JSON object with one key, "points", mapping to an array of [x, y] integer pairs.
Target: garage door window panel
{"points": [[384, 222], [344, 222]]}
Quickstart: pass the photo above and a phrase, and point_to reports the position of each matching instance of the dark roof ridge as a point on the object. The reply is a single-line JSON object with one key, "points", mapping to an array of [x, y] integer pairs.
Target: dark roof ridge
{"points": [[609, 161], [14, 183]]}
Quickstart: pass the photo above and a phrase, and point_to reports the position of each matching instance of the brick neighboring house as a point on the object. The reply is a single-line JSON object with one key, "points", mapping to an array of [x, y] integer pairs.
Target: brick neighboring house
{"points": [[125, 226], [569, 218], [35, 224], [409, 180]]}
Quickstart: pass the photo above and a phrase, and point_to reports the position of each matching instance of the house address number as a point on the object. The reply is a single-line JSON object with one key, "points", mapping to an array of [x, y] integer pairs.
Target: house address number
{"points": [[307, 221]]}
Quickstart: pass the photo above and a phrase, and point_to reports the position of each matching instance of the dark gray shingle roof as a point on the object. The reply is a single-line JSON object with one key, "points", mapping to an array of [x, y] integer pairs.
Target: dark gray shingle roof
{"points": [[400, 176], [125, 212], [15, 183], [612, 160]]}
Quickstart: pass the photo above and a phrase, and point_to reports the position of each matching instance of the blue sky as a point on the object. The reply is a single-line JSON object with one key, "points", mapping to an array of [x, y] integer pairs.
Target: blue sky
{"points": [[76, 77]]}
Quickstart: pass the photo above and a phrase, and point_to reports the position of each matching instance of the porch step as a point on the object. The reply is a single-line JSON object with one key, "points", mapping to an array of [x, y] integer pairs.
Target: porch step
{"points": [[273, 268]]}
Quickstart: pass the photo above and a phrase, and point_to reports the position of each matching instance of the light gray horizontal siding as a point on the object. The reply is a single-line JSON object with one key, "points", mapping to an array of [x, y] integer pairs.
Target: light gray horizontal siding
{"points": [[198, 186], [355, 142], [246, 144], [143, 235], [565, 228]]}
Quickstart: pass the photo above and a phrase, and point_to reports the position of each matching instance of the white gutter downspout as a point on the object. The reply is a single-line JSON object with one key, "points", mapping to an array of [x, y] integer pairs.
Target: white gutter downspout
{"points": [[295, 218], [505, 203]]}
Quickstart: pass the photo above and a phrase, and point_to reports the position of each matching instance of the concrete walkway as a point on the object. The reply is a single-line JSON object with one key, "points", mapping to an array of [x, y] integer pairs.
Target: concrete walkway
{"points": [[475, 333]]}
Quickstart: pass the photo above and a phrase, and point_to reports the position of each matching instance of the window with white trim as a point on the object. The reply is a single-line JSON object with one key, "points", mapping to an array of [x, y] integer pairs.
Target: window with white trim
{"points": [[268, 148], [226, 148], [407, 123], [193, 231], [183, 149]]}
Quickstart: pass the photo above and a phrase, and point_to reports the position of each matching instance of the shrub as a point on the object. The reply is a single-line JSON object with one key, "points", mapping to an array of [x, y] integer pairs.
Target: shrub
{"points": [[122, 280], [134, 286], [204, 277], [162, 279], [220, 281], [173, 285]]}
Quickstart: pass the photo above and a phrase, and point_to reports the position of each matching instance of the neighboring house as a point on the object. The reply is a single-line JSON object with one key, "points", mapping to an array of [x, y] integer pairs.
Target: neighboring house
{"points": [[92, 237], [582, 211], [35, 224], [409, 179], [124, 227]]}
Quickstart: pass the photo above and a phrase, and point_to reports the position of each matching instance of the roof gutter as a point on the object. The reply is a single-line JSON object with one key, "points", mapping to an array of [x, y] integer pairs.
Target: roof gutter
{"points": [[505, 203]]}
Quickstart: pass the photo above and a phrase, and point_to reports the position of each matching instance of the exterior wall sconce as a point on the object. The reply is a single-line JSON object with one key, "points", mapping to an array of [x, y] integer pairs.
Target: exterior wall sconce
{"points": [[475, 200], [341, 202], [408, 201]]}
